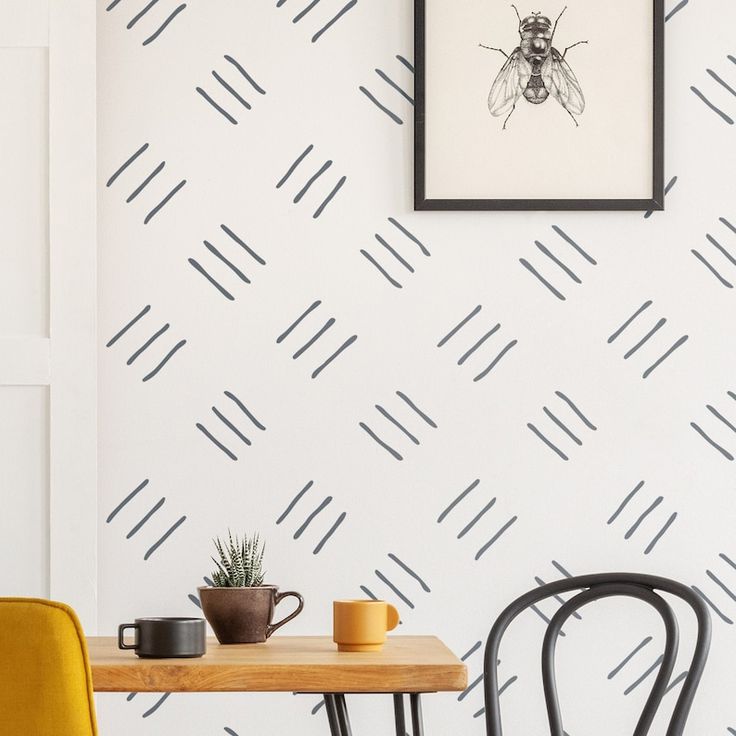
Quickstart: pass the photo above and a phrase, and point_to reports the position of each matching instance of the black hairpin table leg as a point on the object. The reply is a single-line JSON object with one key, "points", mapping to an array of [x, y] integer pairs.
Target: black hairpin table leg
{"points": [[399, 714], [342, 715], [332, 719], [417, 723], [339, 720]]}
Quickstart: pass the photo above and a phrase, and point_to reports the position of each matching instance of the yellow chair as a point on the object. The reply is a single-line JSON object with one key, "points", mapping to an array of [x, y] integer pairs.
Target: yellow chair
{"points": [[45, 678]]}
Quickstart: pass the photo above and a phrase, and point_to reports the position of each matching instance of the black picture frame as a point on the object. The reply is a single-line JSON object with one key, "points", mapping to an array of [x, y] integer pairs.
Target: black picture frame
{"points": [[422, 203]]}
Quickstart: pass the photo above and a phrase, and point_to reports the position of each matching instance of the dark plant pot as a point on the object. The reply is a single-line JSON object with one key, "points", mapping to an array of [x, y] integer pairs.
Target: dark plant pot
{"points": [[244, 615]]}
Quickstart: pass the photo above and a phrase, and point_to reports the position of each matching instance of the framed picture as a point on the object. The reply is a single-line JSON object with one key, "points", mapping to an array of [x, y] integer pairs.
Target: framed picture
{"points": [[561, 108]]}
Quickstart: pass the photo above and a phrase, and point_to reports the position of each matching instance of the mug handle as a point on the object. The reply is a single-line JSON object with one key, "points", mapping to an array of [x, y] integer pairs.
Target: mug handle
{"points": [[279, 597], [392, 617], [121, 634]]}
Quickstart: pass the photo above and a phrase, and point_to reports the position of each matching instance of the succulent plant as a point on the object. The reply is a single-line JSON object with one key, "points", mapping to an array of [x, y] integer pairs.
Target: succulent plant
{"points": [[240, 563]]}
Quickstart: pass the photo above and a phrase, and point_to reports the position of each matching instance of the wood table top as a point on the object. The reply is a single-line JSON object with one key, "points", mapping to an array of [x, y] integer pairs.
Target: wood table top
{"points": [[308, 664]]}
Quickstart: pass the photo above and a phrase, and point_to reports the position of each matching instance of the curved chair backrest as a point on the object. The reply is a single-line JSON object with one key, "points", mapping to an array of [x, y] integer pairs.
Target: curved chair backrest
{"points": [[45, 678], [594, 587]]}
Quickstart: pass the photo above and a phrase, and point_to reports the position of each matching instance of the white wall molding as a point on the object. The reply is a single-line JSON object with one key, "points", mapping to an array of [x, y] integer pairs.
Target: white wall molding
{"points": [[24, 23], [73, 279], [24, 361]]}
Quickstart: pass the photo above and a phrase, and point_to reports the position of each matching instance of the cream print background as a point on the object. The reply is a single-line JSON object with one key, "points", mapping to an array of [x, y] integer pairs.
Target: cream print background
{"points": [[541, 153], [503, 344]]}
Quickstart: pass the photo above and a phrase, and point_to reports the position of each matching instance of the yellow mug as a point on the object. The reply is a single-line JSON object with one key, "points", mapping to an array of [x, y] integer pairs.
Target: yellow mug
{"points": [[361, 625]]}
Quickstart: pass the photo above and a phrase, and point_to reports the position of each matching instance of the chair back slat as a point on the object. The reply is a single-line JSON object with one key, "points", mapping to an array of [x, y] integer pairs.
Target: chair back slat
{"points": [[597, 593], [595, 587]]}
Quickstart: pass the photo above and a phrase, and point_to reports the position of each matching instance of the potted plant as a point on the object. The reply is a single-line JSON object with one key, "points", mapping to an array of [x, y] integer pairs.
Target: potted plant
{"points": [[239, 606]]}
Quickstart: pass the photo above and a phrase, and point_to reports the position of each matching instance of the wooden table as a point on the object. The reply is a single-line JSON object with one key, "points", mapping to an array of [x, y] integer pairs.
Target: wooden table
{"points": [[305, 664]]}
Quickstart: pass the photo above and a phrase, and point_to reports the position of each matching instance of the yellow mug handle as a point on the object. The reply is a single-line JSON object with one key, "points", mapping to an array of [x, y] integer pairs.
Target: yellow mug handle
{"points": [[392, 617]]}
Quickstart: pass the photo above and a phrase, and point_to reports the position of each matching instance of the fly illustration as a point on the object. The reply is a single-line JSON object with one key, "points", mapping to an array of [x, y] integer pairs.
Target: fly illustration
{"points": [[536, 70]]}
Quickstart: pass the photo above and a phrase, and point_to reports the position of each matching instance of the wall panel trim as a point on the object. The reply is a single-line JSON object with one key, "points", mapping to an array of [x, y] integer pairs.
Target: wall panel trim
{"points": [[73, 284]]}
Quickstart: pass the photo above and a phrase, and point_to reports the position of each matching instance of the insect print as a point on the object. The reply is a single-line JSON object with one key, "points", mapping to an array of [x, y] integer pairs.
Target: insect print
{"points": [[536, 70]]}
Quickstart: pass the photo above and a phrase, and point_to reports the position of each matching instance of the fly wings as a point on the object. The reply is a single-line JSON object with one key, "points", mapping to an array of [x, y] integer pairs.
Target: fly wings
{"points": [[562, 84], [509, 84]]}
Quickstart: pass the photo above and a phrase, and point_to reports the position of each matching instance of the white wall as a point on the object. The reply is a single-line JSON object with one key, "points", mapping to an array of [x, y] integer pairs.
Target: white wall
{"points": [[48, 386], [24, 317], [148, 428]]}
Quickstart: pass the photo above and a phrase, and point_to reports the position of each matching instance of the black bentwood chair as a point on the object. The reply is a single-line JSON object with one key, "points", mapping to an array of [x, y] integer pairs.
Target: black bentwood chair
{"points": [[595, 587]]}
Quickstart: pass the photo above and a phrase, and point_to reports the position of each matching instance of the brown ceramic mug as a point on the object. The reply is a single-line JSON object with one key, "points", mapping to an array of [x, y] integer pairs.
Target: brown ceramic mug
{"points": [[244, 615]]}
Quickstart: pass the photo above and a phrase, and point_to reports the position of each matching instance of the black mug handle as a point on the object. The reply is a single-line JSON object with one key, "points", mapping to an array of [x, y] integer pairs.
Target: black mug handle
{"points": [[121, 634], [278, 598]]}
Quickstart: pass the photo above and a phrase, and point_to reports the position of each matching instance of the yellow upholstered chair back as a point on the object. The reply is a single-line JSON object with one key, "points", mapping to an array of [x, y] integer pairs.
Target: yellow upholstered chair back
{"points": [[45, 678]]}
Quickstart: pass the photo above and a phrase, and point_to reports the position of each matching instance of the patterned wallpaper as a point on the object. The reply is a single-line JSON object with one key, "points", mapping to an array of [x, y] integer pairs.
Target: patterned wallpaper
{"points": [[439, 409]]}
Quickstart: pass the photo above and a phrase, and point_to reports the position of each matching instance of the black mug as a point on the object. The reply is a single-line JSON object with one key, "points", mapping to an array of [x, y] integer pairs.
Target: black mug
{"points": [[165, 637]]}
